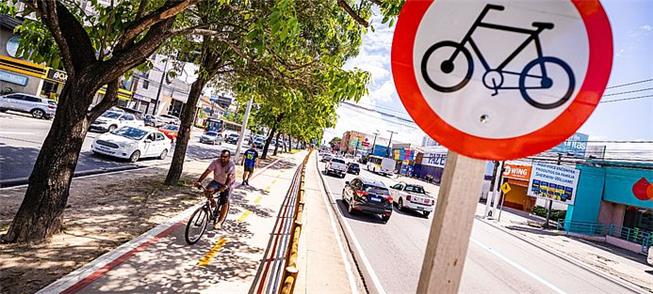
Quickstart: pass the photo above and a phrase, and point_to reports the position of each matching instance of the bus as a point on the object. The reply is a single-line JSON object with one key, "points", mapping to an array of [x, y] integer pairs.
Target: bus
{"points": [[381, 165], [214, 124]]}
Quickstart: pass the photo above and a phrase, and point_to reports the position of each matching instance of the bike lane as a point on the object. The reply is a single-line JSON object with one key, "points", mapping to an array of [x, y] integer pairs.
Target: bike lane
{"points": [[225, 260]]}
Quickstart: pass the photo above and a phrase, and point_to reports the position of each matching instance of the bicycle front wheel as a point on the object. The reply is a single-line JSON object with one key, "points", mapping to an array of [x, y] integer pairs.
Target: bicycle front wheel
{"points": [[196, 225], [546, 91]]}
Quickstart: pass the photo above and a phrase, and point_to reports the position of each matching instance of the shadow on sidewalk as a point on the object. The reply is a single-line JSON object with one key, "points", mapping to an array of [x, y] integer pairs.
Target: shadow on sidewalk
{"points": [[533, 231], [639, 258]]}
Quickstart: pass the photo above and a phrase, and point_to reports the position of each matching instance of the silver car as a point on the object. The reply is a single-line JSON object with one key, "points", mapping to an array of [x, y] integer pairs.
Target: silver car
{"points": [[36, 106]]}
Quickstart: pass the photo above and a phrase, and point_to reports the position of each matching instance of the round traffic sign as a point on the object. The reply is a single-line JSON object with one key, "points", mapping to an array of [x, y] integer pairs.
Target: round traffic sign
{"points": [[503, 80]]}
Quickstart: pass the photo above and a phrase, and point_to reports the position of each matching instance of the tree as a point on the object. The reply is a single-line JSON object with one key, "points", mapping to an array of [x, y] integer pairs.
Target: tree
{"points": [[95, 50], [335, 142]]}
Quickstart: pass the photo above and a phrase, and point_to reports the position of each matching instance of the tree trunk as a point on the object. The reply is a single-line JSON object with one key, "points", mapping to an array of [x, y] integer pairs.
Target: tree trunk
{"points": [[41, 213], [267, 142], [276, 146], [181, 145]]}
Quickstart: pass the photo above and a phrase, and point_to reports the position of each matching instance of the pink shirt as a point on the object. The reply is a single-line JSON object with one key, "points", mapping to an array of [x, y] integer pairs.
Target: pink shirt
{"points": [[220, 172]]}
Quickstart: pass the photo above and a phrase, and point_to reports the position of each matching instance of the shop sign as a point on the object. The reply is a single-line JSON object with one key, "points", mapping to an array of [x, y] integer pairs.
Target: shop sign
{"points": [[516, 171], [57, 75], [643, 189], [13, 78], [574, 146], [12, 45], [435, 159], [554, 182]]}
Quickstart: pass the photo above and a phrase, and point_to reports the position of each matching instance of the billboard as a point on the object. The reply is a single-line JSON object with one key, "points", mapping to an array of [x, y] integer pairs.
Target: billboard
{"points": [[553, 182], [435, 159], [573, 146], [517, 171]]}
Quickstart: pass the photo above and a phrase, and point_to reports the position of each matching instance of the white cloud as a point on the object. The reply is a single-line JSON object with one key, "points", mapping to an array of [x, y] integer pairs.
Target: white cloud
{"points": [[647, 28]]}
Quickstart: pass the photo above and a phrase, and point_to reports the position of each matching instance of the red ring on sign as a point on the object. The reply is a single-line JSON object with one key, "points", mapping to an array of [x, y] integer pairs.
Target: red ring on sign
{"points": [[599, 35]]}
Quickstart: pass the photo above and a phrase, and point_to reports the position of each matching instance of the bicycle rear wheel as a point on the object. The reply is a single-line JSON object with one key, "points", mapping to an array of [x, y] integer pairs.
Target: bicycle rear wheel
{"points": [[196, 225], [546, 100]]}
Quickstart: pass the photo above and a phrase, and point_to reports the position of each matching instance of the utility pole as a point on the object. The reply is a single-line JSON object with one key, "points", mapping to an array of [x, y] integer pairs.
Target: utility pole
{"points": [[548, 211], [376, 133], [158, 92], [243, 129], [494, 190], [390, 142]]}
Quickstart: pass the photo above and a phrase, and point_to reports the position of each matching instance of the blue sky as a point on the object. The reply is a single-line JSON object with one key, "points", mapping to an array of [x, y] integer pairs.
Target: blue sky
{"points": [[632, 27]]}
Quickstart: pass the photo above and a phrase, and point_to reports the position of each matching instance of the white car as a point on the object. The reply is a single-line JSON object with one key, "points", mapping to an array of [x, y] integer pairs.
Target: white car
{"points": [[211, 138], [112, 120], [133, 143], [412, 197], [169, 119], [36, 106], [336, 166]]}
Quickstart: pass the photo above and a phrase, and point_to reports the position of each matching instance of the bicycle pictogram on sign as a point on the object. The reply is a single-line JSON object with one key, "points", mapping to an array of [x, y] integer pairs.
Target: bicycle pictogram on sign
{"points": [[493, 78]]}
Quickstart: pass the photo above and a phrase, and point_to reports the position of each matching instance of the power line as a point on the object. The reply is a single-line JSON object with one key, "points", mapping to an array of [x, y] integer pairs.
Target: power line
{"points": [[627, 92], [627, 99], [629, 84]]}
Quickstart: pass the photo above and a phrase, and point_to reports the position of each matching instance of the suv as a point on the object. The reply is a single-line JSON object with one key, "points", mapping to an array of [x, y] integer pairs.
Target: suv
{"points": [[368, 196], [353, 168], [336, 166], [231, 138], [37, 106], [112, 120]]}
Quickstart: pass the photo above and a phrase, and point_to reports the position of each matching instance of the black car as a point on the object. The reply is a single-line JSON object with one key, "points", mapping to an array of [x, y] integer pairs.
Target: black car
{"points": [[231, 138], [353, 168], [367, 196]]}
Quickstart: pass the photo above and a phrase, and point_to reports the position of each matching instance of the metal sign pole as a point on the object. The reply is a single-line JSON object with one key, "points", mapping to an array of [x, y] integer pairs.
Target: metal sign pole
{"points": [[452, 225]]}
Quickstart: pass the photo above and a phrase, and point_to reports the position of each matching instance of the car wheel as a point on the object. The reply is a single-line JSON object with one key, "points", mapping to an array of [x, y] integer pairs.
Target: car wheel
{"points": [[37, 113], [135, 156], [385, 218], [400, 204], [426, 214], [164, 154], [112, 128]]}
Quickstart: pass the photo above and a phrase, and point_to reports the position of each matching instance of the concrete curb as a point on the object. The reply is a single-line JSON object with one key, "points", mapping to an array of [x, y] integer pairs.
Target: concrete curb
{"points": [[370, 281], [625, 284]]}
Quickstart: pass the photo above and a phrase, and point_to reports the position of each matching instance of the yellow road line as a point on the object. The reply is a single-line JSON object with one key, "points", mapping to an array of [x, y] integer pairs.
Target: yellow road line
{"points": [[206, 259], [243, 216], [258, 199]]}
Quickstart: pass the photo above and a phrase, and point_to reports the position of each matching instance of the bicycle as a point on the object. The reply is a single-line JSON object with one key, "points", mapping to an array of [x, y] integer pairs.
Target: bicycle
{"points": [[200, 218], [493, 78]]}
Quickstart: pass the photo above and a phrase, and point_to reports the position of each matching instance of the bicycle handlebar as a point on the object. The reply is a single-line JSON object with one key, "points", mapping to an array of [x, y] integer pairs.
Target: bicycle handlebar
{"points": [[495, 7]]}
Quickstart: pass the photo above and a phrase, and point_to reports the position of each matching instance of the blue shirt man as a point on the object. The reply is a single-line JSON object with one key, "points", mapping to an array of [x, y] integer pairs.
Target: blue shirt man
{"points": [[250, 158]]}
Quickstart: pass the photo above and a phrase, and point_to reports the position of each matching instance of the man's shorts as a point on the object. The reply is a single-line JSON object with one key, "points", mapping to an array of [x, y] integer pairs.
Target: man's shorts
{"points": [[249, 168], [223, 198]]}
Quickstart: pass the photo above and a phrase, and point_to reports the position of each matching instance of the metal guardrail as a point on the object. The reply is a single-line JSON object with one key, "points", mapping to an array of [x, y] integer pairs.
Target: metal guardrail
{"points": [[278, 270], [635, 235], [585, 228]]}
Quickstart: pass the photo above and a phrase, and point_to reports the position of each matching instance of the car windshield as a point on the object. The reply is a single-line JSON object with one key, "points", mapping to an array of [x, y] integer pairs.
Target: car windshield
{"points": [[336, 160], [111, 114], [212, 134], [376, 190], [415, 189], [131, 133], [353, 166]]}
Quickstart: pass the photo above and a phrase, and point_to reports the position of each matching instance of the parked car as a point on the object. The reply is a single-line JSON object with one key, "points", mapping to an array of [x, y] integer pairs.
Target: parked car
{"points": [[152, 121], [336, 166], [169, 119], [232, 138], [259, 143], [353, 168], [414, 197], [171, 131], [133, 143], [326, 157], [36, 106], [113, 120], [368, 196], [211, 138]]}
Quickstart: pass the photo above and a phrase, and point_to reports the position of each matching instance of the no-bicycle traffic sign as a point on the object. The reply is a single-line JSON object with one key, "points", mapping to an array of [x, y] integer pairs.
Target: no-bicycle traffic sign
{"points": [[501, 80]]}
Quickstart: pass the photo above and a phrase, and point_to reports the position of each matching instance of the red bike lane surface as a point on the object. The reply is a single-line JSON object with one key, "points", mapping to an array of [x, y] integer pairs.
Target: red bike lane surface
{"points": [[225, 260]]}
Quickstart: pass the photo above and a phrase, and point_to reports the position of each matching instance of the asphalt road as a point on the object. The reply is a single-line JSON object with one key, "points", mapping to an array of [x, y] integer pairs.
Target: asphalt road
{"points": [[496, 261], [21, 137]]}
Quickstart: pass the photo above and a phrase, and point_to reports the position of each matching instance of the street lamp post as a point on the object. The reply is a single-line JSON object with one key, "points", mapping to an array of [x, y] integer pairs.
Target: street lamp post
{"points": [[374, 142], [158, 92], [390, 142]]}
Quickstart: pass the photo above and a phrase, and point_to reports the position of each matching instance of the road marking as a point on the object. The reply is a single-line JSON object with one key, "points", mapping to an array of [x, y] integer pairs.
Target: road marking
{"points": [[206, 259], [517, 266], [350, 274], [243, 216], [258, 199]]}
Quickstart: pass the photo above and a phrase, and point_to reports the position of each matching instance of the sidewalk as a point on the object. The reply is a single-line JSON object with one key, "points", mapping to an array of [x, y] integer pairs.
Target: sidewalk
{"points": [[325, 263], [108, 210], [598, 257]]}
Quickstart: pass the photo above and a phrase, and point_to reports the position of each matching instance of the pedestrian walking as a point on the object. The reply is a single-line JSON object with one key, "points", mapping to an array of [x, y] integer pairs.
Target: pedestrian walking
{"points": [[250, 160]]}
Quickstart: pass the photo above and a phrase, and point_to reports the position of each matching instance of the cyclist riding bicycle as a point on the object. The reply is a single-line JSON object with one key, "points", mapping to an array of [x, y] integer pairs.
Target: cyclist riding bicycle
{"points": [[224, 175]]}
